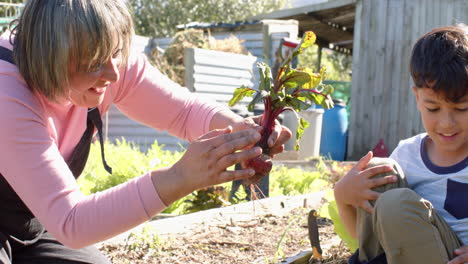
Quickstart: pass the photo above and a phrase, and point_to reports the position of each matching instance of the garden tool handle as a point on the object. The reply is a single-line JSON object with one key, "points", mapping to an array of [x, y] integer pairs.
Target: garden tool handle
{"points": [[314, 235]]}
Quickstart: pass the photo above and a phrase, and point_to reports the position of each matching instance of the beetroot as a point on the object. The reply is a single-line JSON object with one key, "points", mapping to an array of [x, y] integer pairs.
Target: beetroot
{"points": [[262, 166], [293, 89]]}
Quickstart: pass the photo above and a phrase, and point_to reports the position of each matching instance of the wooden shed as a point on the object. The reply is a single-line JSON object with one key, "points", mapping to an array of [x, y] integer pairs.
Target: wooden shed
{"points": [[380, 35]]}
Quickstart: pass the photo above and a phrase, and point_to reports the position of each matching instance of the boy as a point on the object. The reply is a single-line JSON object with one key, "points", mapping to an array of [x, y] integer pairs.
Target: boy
{"points": [[420, 216]]}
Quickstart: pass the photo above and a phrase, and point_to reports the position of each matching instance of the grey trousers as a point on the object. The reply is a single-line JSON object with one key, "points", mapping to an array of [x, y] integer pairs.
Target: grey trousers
{"points": [[404, 226]]}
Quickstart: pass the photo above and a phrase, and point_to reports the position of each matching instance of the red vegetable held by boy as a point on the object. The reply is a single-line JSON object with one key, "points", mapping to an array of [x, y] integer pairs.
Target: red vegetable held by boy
{"points": [[293, 89]]}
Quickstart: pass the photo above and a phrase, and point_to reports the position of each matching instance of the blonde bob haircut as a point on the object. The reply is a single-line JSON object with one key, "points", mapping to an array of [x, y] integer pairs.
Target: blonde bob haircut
{"points": [[54, 36]]}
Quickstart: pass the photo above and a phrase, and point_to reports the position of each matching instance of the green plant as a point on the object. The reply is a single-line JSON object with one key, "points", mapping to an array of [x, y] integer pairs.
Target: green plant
{"points": [[330, 210], [207, 198], [294, 181], [127, 162], [146, 240], [293, 89]]}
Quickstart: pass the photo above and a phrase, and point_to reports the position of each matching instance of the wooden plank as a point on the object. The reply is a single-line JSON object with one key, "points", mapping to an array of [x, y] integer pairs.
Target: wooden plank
{"points": [[367, 89], [449, 13], [461, 12], [379, 49], [423, 28], [405, 88], [412, 114], [394, 85], [353, 129]]}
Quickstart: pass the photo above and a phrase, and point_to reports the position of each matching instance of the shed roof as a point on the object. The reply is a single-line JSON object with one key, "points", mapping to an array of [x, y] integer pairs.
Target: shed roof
{"points": [[331, 21]]}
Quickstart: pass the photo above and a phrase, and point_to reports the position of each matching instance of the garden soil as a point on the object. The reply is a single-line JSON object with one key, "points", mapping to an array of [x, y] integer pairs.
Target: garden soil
{"points": [[258, 236]]}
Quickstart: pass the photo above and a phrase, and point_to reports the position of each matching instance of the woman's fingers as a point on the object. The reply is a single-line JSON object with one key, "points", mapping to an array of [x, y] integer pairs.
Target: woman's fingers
{"points": [[216, 132], [230, 159], [229, 143], [227, 176], [249, 135], [278, 139]]}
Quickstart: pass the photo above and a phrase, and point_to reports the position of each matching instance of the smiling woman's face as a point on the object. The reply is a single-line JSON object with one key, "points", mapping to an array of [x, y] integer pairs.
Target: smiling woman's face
{"points": [[87, 87]]}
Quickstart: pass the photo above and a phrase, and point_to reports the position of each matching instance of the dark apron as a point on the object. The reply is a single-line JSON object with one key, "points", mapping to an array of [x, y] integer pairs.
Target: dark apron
{"points": [[21, 232]]}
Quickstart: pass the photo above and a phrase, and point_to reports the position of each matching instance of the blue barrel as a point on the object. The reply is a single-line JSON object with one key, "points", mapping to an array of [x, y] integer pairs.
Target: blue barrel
{"points": [[334, 135]]}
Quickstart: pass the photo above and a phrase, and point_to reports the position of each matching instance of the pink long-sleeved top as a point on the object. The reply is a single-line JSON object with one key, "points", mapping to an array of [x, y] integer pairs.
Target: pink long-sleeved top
{"points": [[38, 136]]}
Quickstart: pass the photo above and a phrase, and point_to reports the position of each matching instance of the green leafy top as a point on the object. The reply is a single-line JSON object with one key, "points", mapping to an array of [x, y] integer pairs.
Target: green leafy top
{"points": [[294, 89]]}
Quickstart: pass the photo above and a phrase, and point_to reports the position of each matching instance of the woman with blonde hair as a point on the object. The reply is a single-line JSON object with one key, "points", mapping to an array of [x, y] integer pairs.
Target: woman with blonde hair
{"points": [[61, 67]]}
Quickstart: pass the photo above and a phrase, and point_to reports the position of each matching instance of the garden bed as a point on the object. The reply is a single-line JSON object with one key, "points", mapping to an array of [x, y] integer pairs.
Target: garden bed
{"points": [[263, 231]]}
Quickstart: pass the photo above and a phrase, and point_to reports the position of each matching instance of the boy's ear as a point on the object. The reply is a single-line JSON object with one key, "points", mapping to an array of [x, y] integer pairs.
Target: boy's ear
{"points": [[415, 92]]}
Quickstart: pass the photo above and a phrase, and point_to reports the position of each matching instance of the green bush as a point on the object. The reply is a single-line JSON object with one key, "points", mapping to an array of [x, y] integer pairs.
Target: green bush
{"points": [[127, 162]]}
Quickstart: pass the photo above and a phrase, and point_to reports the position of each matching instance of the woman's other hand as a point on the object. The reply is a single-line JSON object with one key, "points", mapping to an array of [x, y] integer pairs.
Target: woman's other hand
{"points": [[278, 137], [206, 161]]}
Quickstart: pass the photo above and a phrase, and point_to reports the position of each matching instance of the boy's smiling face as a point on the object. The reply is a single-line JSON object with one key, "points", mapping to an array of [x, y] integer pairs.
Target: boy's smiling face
{"points": [[447, 125]]}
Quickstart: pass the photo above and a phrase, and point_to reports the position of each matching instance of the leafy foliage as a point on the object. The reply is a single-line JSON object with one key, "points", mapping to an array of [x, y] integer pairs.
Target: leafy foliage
{"points": [[330, 210], [294, 89], [207, 198], [146, 240], [159, 18], [128, 162], [338, 65]]}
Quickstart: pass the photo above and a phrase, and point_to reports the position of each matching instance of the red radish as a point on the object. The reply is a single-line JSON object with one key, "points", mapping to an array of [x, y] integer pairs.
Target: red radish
{"points": [[293, 89]]}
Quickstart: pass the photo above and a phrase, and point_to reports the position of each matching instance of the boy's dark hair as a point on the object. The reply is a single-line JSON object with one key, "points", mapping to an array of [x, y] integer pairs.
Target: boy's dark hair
{"points": [[440, 61]]}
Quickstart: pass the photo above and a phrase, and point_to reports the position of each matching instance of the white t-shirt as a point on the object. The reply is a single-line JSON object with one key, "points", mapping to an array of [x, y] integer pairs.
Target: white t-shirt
{"points": [[445, 187]]}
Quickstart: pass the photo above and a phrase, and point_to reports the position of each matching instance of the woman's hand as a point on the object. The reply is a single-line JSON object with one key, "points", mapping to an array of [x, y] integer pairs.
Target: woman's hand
{"points": [[355, 188], [205, 163], [278, 137], [462, 256]]}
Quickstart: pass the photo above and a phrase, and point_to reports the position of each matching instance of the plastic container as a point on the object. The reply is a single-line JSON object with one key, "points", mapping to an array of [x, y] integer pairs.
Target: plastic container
{"points": [[310, 141], [334, 134]]}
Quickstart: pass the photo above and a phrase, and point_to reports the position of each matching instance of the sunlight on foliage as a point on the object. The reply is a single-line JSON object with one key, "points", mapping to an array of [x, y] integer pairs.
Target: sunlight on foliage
{"points": [[330, 210], [128, 162], [145, 240], [294, 181]]}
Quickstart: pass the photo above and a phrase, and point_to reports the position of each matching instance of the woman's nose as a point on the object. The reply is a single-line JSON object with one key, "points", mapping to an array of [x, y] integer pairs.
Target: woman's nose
{"points": [[110, 71]]}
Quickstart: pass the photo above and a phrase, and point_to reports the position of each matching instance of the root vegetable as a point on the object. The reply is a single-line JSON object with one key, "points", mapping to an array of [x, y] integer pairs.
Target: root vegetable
{"points": [[293, 89]]}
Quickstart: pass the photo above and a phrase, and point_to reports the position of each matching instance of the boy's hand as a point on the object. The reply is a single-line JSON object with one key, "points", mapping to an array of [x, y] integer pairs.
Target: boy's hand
{"points": [[462, 256], [355, 187]]}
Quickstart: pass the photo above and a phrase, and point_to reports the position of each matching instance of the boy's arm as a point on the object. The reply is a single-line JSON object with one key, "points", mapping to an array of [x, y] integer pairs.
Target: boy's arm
{"points": [[355, 190], [348, 216]]}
